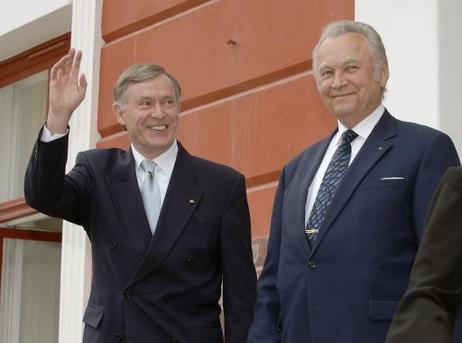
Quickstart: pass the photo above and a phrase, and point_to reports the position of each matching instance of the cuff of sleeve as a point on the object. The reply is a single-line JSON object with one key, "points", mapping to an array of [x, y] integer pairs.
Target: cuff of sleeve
{"points": [[47, 136]]}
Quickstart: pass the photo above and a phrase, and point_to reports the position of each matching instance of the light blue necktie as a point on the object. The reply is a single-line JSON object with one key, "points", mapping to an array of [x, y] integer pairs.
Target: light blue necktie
{"points": [[330, 182], [150, 193]]}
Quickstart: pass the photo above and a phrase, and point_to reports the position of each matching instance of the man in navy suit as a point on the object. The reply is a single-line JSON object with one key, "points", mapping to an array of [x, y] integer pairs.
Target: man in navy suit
{"points": [[349, 210], [157, 277]]}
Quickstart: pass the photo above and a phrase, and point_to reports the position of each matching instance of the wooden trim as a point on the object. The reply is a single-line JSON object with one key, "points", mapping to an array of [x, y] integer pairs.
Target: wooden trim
{"points": [[18, 233], [43, 236], [34, 60], [1, 260], [13, 209]]}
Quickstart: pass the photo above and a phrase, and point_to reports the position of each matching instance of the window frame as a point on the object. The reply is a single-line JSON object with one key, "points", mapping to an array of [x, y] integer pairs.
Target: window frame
{"points": [[32, 61]]}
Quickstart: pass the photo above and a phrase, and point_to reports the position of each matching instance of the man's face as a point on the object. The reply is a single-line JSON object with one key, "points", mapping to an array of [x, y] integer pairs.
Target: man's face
{"points": [[150, 112], [346, 78]]}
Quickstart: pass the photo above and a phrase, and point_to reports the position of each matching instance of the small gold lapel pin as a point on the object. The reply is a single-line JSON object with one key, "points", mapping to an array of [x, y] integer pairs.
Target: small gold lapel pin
{"points": [[191, 201]]}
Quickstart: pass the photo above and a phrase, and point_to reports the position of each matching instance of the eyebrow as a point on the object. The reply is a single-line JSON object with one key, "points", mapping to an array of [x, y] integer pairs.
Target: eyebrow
{"points": [[325, 66], [351, 60], [145, 97]]}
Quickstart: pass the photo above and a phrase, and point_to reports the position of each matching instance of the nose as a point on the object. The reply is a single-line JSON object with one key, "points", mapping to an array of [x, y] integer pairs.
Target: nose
{"points": [[339, 80], [157, 111]]}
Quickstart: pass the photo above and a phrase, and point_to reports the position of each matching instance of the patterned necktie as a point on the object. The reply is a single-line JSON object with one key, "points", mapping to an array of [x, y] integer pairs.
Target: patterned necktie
{"points": [[150, 193], [330, 182]]}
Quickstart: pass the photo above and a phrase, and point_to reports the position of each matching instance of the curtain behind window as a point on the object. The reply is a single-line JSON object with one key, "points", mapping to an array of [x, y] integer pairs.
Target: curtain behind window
{"points": [[23, 107]]}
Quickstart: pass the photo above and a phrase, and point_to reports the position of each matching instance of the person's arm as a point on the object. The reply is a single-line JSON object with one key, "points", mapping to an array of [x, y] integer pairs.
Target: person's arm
{"points": [[265, 327], [427, 311], [46, 188], [439, 156], [239, 277], [49, 190]]}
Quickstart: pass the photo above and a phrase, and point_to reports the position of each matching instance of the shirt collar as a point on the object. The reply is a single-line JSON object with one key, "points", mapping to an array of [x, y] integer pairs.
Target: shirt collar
{"points": [[165, 161], [365, 126]]}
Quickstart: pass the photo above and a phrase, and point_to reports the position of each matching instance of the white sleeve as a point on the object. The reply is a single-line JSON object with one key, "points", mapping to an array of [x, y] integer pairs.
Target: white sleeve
{"points": [[47, 136]]}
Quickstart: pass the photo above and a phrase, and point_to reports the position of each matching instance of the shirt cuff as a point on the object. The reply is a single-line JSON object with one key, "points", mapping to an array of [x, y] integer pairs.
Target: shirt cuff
{"points": [[47, 136]]}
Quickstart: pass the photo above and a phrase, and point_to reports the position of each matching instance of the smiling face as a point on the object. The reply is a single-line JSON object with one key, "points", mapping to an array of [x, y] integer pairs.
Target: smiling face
{"points": [[150, 112], [347, 80]]}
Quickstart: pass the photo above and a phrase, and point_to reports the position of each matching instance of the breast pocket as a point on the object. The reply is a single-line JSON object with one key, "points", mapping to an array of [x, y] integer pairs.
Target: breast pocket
{"points": [[384, 183]]}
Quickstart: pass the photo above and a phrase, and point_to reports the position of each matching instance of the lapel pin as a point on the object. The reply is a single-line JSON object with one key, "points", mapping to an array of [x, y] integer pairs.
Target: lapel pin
{"points": [[380, 148], [191, 201]]}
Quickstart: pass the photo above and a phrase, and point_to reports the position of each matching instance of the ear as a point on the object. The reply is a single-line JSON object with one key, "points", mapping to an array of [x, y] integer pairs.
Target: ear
{"points": [[384, 76], [119, 113]]}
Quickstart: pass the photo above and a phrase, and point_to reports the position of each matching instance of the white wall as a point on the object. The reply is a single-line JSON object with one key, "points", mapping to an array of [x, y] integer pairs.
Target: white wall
{"points": [[27, 23], [422, 39], [450, 77]]}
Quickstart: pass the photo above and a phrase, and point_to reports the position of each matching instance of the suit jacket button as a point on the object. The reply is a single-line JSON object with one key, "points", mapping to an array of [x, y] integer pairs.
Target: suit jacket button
{"points": [[190, 261], [118, 337], [113, 245], [168, 300], [128, 293], [312, 264]]}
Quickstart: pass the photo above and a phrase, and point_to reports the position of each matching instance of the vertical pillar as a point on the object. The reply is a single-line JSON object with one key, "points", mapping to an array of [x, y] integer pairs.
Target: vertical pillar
{"points": [[421, 38], [450, 53], [76, 256], [409, 31]]}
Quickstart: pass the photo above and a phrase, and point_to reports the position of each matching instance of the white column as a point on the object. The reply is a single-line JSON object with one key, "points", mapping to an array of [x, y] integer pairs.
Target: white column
{"points": [[450, 47], [409, 30], [76, 255], [424, 51]]}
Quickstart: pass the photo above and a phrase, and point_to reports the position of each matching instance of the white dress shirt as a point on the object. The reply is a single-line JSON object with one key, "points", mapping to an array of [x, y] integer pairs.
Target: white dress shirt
{"points": [[47, 136], [363, 129], [163, 170]]}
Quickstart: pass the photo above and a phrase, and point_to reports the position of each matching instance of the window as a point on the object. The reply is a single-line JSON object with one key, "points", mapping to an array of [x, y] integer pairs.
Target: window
{"points": [[23, 108], [30, 242], [29, 297], [23, 105]]}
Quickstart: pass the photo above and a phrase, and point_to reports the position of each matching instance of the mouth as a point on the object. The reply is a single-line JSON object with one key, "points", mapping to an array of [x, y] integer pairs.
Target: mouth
{"points": [[334, 96], [158, 128]]}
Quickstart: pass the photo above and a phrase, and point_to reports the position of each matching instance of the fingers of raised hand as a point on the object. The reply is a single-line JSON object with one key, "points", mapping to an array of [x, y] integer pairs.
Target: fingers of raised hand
{"points": [[58, 69], [67, 66], [82, 83], [74, 67]]}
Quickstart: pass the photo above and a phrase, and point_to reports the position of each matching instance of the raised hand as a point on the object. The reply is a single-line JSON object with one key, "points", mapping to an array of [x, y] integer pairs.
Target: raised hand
{"points": [[67, 91]]}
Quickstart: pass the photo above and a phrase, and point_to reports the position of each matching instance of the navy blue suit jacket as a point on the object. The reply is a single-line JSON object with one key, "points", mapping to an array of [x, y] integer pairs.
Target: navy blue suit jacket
{"points": [[347, 287], [154, 288]]}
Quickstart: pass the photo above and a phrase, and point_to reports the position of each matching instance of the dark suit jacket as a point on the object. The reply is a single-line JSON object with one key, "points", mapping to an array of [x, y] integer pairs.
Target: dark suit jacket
{"points": [[161, 288], [347, 287], [428, 310]]}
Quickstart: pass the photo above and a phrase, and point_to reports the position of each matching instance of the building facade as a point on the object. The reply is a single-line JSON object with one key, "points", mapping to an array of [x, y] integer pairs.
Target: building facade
{"points": [[250, 101]]}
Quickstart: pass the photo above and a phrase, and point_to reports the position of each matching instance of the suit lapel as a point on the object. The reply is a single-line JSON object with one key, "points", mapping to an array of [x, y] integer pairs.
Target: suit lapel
{"points": [[126, 197], [374, 148], [181, 199], [305, 174]]}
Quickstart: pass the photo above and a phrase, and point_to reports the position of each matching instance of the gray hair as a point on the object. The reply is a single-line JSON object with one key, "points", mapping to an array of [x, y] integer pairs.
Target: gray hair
{"points": [[373, 39], [139, 73]]}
